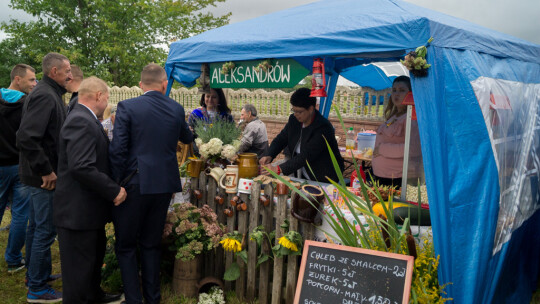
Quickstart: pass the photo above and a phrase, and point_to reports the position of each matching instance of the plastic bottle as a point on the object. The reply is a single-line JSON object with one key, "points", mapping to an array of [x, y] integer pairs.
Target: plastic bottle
{"points": [[351, 137]]}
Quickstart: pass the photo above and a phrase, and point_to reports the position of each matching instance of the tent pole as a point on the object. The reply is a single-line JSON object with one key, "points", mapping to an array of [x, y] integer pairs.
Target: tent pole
{"points": [[406, 154], [169, 84], [326, 103]]}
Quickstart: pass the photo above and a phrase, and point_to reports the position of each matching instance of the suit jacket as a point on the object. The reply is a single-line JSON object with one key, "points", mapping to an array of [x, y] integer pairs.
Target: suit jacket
{"points": [[84, 189], [313, 148], [145, 136]]}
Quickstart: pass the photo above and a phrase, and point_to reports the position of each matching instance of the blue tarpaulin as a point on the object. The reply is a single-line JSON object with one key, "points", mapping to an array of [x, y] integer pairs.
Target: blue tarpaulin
{"points": [[478, 114]]}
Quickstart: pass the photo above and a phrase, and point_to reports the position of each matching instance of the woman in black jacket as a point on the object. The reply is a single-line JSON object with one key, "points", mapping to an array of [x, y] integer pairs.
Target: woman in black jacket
{"points": [[305, 136]]}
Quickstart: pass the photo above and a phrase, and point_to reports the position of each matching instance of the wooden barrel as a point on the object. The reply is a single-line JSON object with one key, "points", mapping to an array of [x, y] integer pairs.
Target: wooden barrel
{"points": [[186, 277]]}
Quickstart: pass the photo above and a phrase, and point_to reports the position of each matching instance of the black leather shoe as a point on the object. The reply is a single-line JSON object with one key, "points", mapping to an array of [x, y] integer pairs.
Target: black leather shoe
{"points": [[109, 297]]}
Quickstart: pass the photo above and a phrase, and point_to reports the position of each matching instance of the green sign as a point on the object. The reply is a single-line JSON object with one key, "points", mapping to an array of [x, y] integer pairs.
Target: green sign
{"points": [[277, 73]]}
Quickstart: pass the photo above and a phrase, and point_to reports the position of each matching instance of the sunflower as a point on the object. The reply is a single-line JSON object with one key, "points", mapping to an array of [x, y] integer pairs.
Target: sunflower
{"points": [[285, 242], [231, 244]]}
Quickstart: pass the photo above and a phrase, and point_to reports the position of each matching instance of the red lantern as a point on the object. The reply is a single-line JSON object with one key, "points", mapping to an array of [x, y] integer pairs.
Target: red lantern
{"points": [[409, 101], [318, 82]]}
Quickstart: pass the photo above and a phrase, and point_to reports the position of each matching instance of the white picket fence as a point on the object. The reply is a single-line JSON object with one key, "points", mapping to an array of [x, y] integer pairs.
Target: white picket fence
{"points": [[355, 104]]}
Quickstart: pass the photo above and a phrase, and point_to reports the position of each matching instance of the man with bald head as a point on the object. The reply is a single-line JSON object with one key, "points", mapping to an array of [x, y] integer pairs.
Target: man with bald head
{"points": [[84, 196], [143, 157], [37, 139]]}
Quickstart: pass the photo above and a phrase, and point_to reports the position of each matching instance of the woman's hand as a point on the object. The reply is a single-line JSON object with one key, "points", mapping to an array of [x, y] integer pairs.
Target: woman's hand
{"points": [[266, 169], [265, 160]]}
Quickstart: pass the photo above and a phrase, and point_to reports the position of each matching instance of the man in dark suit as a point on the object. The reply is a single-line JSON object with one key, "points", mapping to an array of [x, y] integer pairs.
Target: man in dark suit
{"points": [[143, 156], [84, 196]]}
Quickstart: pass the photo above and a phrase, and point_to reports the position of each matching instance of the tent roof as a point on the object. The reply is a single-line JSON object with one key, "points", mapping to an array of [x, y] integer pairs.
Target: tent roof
{"points": [[342, 29]]}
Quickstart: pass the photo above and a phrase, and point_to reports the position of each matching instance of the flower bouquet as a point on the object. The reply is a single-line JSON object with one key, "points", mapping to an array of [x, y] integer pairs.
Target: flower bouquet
{"points": [[192, 230], [219, 140], [416, 62]]}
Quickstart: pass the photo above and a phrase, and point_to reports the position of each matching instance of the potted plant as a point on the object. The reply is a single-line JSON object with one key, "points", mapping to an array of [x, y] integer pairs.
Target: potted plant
{"points": [[218, 142], [191, 231]]}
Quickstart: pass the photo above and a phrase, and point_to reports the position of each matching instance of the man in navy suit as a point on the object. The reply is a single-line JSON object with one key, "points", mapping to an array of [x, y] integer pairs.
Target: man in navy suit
{"points": [[84, 196], [143, 158]]}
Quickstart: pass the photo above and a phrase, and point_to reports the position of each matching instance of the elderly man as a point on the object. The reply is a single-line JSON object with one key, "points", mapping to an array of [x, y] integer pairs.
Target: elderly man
{"points": [[143, 157], [254, 137], [84, 196], [37, 139], [23, 80]]}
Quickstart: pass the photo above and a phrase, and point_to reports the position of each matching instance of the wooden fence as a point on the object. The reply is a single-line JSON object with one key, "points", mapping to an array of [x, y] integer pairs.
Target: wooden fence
{"points": [[355, 104], [273, 281]]}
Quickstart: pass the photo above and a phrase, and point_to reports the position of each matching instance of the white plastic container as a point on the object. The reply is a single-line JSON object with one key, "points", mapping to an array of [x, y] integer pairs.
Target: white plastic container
{"points": [[366, 141]]}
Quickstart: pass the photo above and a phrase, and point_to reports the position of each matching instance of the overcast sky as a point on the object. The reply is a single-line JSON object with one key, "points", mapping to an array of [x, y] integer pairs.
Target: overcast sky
{"points": [[519, 18]]}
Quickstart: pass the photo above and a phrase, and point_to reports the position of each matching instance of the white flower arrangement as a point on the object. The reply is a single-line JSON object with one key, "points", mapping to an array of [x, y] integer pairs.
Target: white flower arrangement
{"points": [[228, 151], [217, 140], [214, 296]]}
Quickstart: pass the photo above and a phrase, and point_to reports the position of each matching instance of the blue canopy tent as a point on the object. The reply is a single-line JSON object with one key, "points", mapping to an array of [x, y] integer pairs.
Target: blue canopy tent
{"points": [[478, 113], [376, 75]]}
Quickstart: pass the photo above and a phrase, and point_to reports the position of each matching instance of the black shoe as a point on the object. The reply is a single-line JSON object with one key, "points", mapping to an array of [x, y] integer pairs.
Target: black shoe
{"points": [[110, 297]]}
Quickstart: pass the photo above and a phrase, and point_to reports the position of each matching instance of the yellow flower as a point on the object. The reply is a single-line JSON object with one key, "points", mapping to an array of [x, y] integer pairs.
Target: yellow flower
{"points": [[283, 241], [230, 244]]}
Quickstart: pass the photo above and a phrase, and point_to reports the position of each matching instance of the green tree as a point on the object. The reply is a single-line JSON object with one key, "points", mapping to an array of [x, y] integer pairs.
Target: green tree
{"points": [[110, 39]]}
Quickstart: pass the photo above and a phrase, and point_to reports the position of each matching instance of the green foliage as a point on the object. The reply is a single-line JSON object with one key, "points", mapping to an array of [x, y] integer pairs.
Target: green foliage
{"points": [[110, 272], [109, 39], [225, 130], [192, 230]]}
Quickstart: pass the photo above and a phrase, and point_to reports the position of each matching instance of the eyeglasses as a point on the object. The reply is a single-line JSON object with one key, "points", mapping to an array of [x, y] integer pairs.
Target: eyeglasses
{"points": [[298, 112]]}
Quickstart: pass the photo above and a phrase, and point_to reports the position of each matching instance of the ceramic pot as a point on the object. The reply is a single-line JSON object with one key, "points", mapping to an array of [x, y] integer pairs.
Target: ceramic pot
{"points": [[219, 199], [229, 180], [306, 210], [228, 212], [265, 200], [248, 165], [282, 188], [215, 173], [194, 167]]}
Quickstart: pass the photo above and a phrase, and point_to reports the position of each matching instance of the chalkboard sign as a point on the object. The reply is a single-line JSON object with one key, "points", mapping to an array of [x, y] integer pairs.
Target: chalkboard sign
{"points": [[335, 274]]}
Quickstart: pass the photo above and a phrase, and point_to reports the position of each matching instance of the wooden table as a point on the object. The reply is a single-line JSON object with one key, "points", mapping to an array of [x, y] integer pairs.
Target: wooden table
{"points": [[350, 154]]}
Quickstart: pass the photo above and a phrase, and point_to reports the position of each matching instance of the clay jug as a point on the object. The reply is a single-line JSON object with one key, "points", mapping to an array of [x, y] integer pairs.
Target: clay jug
{"points": [[306, 210], [248, 165]]}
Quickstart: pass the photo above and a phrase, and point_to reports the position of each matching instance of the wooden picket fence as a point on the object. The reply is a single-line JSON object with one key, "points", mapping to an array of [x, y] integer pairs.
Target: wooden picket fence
{"points": [[273, 281]]}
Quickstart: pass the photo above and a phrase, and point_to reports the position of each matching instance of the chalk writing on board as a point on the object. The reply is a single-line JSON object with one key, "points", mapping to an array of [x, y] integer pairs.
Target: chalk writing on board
{"points": [[337, 274]]}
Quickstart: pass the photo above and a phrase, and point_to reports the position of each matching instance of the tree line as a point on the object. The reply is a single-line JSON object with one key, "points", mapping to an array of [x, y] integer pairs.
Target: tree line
{"points": [[112, 40]]}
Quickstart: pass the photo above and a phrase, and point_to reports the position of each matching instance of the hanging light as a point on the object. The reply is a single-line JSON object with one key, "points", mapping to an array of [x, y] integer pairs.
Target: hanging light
{"points": [[318, 82], [409, 101]]}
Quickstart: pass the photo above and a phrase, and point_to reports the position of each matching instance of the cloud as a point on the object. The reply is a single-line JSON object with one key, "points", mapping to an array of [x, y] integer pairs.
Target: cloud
{"points": [[516, 18]]}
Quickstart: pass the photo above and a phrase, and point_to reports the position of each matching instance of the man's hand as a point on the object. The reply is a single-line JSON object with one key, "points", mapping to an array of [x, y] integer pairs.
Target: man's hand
{"points": [[121, 197], [265, 160], [49, 181]]}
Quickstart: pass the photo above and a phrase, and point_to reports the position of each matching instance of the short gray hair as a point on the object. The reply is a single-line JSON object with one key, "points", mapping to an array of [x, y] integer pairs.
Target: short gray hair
{"points": [[250, 108], [52, 60]]}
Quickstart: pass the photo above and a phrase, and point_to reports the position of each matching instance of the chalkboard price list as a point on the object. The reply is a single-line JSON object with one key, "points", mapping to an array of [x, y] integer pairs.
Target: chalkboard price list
{"points": [[333, 274]]}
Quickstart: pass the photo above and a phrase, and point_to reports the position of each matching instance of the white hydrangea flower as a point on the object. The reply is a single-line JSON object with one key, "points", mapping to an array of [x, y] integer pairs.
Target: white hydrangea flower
{"points": [[228, 151], [214, 146], [198, 141], [236, 144], [204, 150]]}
